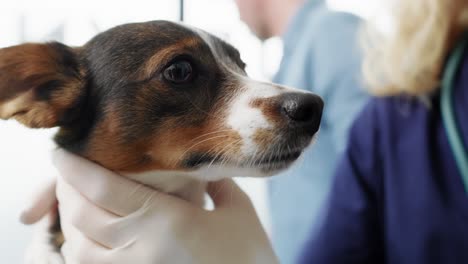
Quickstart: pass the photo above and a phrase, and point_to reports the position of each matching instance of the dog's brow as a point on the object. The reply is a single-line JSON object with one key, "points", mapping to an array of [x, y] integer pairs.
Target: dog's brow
{"points": [[164, 55]]}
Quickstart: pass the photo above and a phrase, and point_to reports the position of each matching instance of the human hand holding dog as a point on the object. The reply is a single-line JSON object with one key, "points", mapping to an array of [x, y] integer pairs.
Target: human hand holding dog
{"points": [[107, 218]]}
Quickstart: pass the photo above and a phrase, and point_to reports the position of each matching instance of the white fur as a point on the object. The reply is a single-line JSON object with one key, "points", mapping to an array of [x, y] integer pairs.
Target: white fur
{"points": [[247, 120]]}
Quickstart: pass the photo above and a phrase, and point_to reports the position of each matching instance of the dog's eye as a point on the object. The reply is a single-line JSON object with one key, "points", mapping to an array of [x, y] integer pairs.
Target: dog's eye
{"points": [[179, 72]]}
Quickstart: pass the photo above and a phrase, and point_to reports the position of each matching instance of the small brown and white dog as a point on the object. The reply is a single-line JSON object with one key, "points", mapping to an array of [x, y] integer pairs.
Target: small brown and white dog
{"points": [[164, 104]]}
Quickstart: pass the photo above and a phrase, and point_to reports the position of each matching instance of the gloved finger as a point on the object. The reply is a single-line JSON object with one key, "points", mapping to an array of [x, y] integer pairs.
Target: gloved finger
{"points": [[105, 188], [79, 249], [227, 194], [42, 203], [95, 223]]}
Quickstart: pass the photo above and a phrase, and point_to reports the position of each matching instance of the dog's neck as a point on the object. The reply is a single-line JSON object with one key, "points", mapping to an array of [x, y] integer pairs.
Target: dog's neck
{"points": [[173, 183]]}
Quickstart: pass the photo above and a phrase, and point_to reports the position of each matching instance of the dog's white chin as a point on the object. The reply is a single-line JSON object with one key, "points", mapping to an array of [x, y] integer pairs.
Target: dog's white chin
{"points": [[190, 185], [217, 172]]}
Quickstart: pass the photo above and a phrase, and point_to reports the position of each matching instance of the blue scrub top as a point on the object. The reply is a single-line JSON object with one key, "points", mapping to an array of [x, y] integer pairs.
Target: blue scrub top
{"points": [[398, 196], [321, 55]]}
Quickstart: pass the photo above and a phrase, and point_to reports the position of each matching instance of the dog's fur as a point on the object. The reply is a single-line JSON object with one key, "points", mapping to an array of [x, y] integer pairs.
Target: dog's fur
{"points": [[116, 106]]}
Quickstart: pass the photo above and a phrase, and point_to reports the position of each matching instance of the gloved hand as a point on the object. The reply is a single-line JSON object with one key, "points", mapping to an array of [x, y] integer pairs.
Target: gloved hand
{"points": [[107, 218], [42, 203]]}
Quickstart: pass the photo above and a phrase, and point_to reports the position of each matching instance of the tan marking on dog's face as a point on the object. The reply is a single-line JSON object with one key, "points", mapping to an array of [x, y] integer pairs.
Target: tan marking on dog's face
{"points": [[263, 138], [269, 108], [163, 151], [163, 56]]}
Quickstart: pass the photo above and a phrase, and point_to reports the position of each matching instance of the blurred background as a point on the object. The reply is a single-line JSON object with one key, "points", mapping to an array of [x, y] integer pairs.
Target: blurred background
{"points": [[25, 154]]}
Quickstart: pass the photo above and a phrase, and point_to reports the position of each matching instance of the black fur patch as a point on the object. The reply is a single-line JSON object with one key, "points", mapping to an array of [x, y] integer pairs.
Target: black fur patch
{"points": [[45, 90]]}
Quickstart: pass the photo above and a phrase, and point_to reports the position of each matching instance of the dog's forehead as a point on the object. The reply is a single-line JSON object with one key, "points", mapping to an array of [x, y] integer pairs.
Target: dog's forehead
{"points": [[125, 48], [138, 40], [155, 35]]}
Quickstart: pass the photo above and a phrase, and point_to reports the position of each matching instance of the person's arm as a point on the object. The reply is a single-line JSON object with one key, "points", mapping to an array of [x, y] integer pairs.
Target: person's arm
{"points": [[107, 218], [350, 231]]}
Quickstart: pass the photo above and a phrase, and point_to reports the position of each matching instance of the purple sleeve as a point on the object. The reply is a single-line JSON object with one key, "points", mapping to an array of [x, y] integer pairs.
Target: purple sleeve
{"points": [[350, 230]]}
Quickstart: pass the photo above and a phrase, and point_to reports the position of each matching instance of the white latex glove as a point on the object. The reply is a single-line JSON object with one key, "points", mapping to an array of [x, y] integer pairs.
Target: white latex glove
{"points": [[107, 218], [42, 202]]}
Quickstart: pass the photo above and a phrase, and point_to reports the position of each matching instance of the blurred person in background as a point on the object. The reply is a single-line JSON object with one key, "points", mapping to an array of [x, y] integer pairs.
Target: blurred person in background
{"points": [[400, 194], [321, 55]]}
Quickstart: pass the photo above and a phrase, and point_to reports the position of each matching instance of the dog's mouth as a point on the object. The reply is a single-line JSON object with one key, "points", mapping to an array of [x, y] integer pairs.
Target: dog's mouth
{"points": [[266, 162], [275, 162], [279, 158]]}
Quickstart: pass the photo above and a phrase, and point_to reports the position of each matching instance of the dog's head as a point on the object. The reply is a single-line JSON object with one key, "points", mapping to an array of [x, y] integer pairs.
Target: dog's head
{"points": [[158, 96]]}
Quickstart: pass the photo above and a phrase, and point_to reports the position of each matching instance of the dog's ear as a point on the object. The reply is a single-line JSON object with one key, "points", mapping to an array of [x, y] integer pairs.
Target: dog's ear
{"points": [[39, 83]]}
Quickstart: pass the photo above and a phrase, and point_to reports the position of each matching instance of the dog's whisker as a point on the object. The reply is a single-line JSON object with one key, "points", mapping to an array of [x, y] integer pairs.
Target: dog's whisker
{"points": [[211, 133], [210, 151], [200, 142], [219, 153], [224, 150]]}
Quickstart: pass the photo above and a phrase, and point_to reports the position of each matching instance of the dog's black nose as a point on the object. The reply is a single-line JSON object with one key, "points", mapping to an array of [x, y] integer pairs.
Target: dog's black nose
{"points": [[302, 110]]}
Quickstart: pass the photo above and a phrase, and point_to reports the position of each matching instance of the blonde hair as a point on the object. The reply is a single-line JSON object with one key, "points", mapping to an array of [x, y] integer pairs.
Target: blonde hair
{"points": [[410, 59]]}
